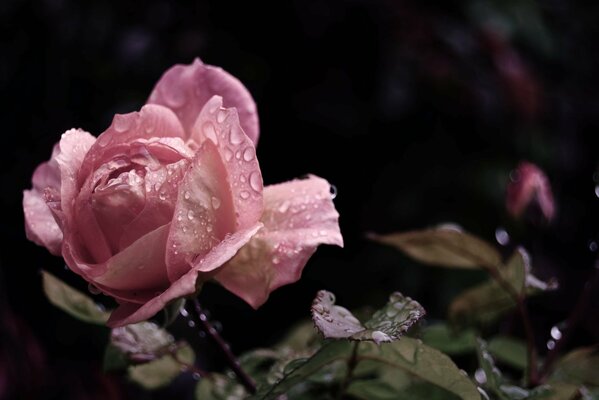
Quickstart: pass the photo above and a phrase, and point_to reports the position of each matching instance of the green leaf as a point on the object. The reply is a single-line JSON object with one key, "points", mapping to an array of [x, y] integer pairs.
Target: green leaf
{"points": [[73, 301], [442, 338], [556, 391], [162, 371], [171, 311], [386, 325], [509, 351], [143, 338], [580, 366], [114, 359], [445, 246], [301, 370], [483, 304], [219, 387], [373, 389], [420, 361]]}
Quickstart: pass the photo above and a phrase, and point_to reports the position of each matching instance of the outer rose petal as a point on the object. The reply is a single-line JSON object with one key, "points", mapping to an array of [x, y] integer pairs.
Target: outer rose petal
{"points": [[187, 88], [40, 225], [298, 216], [531, 186], [53, 190], [129, 313], [220, 194]]}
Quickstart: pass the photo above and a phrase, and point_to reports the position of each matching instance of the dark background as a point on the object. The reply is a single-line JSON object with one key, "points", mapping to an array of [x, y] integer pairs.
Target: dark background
{"points": [[416, 110]]}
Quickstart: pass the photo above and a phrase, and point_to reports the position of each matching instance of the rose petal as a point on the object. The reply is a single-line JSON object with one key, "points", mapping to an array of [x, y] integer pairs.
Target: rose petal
{"points": [[138, 268], [204, 213], [129, 313], [238, 154], [40, 225], [298, 217], [187, 88], [151, 121]]}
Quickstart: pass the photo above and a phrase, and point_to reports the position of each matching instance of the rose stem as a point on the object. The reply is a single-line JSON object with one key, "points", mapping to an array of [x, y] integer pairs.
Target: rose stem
{"points": [[572, 321], [233, 363]]}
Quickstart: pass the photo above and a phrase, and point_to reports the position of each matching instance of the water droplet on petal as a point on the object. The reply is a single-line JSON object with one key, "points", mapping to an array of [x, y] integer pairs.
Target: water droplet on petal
{"points": [[221, 116], [190, 215], [244, 194], [556, 333], [236, 135], [93, 289], [248, 154], [256, 181], [284, 207], [333, 190], [191, 324], [210, 132], [215, 202], [228, 154], [187, 195], [122, 123], [162, 196], [209, 228], [502, 237], [238, 155], [276, 260], [174, 96]]}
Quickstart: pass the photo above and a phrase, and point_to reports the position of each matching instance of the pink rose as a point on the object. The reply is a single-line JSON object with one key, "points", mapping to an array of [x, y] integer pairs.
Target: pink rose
{"points": [[171, 196], [530, 186]]}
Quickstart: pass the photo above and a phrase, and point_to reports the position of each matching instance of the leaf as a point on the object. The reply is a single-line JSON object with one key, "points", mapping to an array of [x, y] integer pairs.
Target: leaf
{"points": [[556, 391], [444, 246], [302, 370], [162, 371], [114, 359], [219, 387], [141, 339], [580, 366], [423, 362], [442, 338], [386, 325], [484, 304], [509, 351], [73, 301]]}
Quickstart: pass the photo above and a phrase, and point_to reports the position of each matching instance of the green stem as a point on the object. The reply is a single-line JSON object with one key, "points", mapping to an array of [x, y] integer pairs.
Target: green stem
{"points": [[352, 362]]}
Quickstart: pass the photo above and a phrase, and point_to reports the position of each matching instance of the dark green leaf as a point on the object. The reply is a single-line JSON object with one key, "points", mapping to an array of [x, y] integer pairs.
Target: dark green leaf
{"points": [[509, 351], [442, 338], [556, 391], [386, 325], [114, 359], [171, 311], [73, 301], [162, 371], [219, 387], [484, 304], [423, 362], [580, 366], [445, 246]]}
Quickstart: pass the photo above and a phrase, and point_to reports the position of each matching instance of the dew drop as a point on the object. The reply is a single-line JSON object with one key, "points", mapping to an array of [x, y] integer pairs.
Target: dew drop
{"points": [[210, 132], [93, 289], [162, 196], [256, 181], [228, 154], [556, 333], [186, 195], [235, 135], [480, 377], [184, 313], [502, 237], [221, 116], [333, 191], [215, 202], [190, 215], [238, 155], [179, 218], [244, 194], [122, 123], [191, 324], [174, 96], [597, 190], [284, 207], [276, 260], [248, 154], [551, 344], [209, 228], [195, 376], [593, 246]]}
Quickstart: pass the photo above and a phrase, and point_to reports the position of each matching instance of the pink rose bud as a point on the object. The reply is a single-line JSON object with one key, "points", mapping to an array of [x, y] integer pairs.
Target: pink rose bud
{"points": [[529, 186], [172, 196]]}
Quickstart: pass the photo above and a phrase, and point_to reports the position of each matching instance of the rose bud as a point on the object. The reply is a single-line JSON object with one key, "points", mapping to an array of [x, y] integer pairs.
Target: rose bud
{"points": [[172, 196], [530, 187]]}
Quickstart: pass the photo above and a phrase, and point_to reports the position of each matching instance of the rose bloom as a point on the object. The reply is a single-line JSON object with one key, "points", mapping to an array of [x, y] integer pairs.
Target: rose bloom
{"points": [[172, 196]]}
